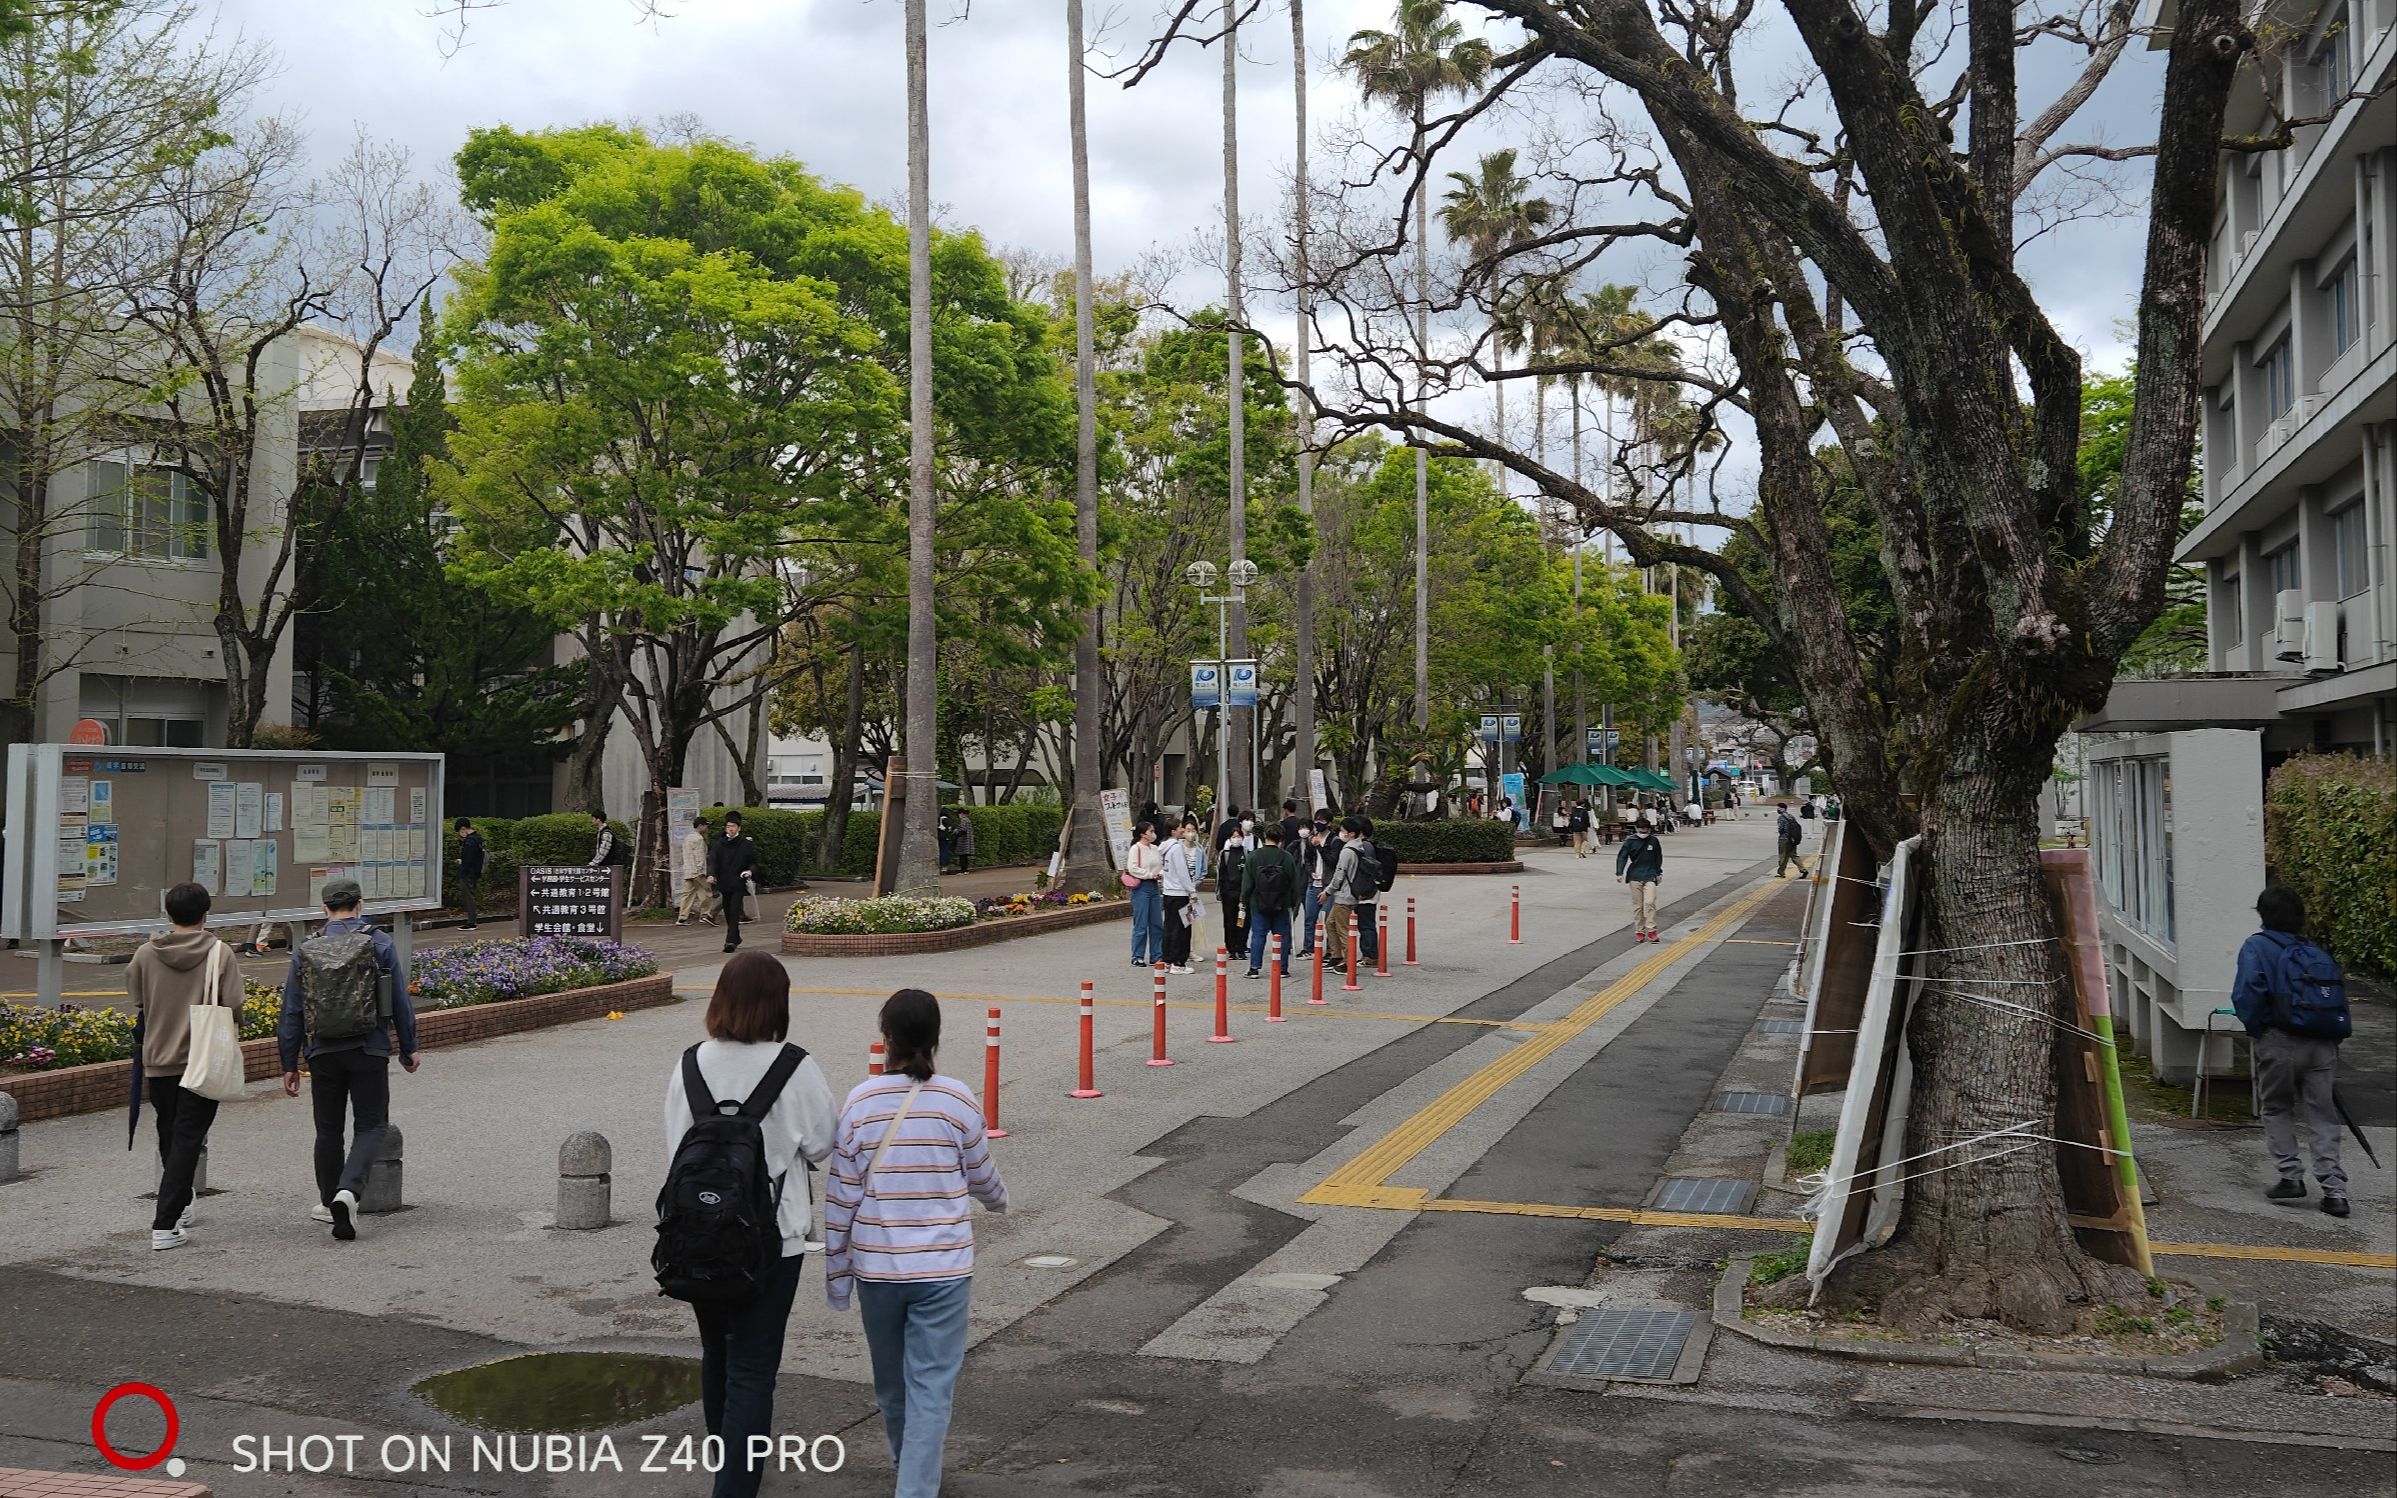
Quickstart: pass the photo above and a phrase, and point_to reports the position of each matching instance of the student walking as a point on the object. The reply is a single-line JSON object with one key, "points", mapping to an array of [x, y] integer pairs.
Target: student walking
{"points": [[690, 866], [472, 860], [1789, 832], [1314, 862], [1181, 887], [1640, 862], [745, 1070], [1144, 877], [169, 976], [345, 998], [732, 874], [1577, 822], [607, 849], [911, 1159], [1269, 886], [2293, 1000]]}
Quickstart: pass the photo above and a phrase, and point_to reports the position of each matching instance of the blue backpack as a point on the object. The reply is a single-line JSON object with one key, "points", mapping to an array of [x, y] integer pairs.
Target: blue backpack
{"points": [[2311, 993]]}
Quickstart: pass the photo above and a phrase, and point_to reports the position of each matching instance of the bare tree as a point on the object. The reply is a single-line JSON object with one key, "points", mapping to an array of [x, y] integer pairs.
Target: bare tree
{"points": [[1849, 257]]}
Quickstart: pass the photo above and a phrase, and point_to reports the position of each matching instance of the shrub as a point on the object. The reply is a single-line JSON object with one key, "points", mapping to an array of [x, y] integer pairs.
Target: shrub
{"points": [[2330, 833], [486, 972], [1467, 840], [1013, 833], [785, 839], [499, 856], [563, 837], [881, 915]]}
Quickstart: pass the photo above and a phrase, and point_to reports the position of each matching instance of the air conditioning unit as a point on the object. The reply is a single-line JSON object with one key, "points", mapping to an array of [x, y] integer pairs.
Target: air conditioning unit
{"points": [[2248, 240], [2306, 409], [2322, 638], [2276, 434], [2288, 611]]}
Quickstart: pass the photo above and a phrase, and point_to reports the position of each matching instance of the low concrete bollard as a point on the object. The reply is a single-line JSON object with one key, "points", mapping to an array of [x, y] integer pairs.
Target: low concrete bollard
{"points": [[583, 1179], [382, 1193], [199, 1174], [8, 1138]]}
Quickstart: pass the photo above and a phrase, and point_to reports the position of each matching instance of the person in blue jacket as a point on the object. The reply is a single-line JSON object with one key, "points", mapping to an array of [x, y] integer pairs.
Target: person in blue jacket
{"points": [[2293, 1069], [352, 1073]]}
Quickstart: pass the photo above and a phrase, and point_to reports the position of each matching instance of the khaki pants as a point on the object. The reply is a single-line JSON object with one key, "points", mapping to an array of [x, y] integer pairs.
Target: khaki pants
{"points": [[698, 901], [1643, 905], [1581, 842], [1335, 933], [1790, 855]]}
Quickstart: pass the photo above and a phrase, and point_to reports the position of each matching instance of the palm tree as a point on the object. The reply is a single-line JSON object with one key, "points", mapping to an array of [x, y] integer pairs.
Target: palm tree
{"points": [[1086, 843], [1305, 601], [1424, 56], [1240, 724], [1489, 212], [919, 839]]}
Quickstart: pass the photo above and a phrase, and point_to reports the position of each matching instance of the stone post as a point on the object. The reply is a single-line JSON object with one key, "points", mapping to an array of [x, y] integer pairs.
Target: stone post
{"points": [[8, 1137], [583, 1182], [382, 1193]]}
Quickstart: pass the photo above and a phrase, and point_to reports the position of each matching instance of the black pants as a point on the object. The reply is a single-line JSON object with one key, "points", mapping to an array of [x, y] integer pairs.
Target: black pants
{"points": [[740, 1356], [965, 863], [1235, 925], [361, 1084], [469, 896], [1369, 941], [1177, 931], [183, 1120], [732, 916]]}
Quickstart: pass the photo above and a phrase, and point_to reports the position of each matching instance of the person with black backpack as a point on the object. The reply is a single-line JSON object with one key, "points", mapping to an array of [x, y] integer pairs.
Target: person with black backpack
{"points": [[1269, 886], [346, 997], [607, 849], [2292, 998], [746, 1114]]}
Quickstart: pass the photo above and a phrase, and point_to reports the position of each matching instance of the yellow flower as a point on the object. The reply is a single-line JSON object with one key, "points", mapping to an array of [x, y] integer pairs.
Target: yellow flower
{"points": [[614, 1014]]}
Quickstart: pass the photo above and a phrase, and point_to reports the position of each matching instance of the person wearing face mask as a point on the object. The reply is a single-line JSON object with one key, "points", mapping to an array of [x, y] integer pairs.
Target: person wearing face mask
{"points": [[1181, 887], [1229, 866]]}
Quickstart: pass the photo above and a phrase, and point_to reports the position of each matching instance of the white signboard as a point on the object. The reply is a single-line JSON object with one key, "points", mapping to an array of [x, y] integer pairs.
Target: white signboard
{"points": [[1115, 809]]}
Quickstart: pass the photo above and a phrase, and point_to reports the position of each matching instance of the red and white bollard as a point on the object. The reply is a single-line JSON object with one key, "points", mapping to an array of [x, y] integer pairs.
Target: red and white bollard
{"points": [[874, 1059], [990, 1076], [1381, 940], [1223, 1000], [1157, 1045], [1273, 985], [1514, 919], [1411, 962], [1348, 976], [1089, 1069], [1316, 996]]}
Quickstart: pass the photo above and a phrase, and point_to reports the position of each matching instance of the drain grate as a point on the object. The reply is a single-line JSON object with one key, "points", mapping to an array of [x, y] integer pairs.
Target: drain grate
{"points": [[1752, 1102], [1783, 1027], [1705, 1194], [1622, 1344]]}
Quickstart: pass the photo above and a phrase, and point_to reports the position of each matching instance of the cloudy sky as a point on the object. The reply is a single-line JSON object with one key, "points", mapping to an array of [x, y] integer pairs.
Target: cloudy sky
{"points": [[822, 81]]}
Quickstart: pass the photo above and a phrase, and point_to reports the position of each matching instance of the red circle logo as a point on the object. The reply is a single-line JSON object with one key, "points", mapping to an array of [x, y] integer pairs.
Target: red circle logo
{"points": [[116, 1458]]}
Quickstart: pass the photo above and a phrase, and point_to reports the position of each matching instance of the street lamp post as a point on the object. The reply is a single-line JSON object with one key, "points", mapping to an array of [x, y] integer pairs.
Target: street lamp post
{"points": [[1238, 576]]}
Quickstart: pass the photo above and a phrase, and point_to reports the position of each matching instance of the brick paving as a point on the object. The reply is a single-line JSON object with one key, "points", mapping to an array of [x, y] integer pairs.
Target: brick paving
{"points": [[20, 1482]]}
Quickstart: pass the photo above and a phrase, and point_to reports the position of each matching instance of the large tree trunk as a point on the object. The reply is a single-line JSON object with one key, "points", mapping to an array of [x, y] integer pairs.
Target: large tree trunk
{"points": [[1303, 750], [919, 843], [1086, 857], [1240, 724], [842, 788]]}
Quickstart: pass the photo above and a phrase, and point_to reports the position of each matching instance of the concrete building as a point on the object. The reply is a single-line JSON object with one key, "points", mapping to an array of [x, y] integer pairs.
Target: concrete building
{"points": [[2300, 486]]}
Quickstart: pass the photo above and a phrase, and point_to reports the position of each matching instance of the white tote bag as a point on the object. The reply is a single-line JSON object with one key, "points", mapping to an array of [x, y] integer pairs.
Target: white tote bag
{"points": [[214, 1068]]}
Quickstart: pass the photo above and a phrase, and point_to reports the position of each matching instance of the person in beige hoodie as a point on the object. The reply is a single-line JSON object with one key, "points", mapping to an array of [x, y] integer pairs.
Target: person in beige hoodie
{"points": [[167, 976]]}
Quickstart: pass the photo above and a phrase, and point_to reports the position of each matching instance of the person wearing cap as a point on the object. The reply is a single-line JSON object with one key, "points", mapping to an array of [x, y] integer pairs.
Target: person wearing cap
{"points": [[350, 1073]]}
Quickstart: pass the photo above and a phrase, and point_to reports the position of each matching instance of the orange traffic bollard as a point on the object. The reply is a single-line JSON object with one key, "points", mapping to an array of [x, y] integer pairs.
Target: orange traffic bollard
{"points": [[1273, 987], [1514, 920], [1411, 962], [1223, 1001], [874, 1059], [1316, 997], [1157, 1047], [1348, 977], [1381, 941], [990, 1076], [1089, 1070]]}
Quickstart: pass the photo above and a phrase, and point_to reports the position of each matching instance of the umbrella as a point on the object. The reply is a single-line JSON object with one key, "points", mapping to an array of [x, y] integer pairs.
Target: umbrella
{"points": [[133, 1106]]}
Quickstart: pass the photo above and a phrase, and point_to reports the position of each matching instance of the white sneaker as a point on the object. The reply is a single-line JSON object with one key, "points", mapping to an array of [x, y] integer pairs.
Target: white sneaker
{"points": [[1185, 969], [345, 1215], [191, 1214], [320, 1213], [166, 1238]]}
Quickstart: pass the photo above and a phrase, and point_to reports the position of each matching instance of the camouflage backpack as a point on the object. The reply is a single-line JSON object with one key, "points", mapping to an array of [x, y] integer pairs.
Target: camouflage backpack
{"points": [[341, 988]]}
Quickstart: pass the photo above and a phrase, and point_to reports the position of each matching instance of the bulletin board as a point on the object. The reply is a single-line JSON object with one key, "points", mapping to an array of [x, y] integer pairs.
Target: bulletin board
{"points": [[97, 835]]}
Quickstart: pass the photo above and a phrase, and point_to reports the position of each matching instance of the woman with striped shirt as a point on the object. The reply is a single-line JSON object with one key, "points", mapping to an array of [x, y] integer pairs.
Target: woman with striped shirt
{"points": [[909, 1161]]}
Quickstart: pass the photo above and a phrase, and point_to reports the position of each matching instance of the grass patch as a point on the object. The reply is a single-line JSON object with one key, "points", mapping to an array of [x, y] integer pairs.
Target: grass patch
{"points": [[1780, 1264], [2113, 1321], [1809, 1149], [2149, 1099]]}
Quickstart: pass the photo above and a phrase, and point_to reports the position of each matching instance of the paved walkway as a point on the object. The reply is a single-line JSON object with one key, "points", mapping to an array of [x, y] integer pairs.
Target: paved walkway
{"points": [[1296, 1264]]}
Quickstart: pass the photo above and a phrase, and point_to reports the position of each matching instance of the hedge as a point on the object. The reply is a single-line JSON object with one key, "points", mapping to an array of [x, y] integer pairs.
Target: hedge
{"points": [[1012, 833], [1466, 840], [786, 839], [2330, 834]]}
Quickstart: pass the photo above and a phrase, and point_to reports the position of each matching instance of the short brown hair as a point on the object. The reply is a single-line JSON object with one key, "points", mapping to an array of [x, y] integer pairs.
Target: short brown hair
{"points": [[752, 1001]]}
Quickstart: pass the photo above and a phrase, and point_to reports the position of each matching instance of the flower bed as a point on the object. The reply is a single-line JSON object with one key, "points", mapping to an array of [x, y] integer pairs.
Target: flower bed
{"points": [[898, 924], [490, 972]]}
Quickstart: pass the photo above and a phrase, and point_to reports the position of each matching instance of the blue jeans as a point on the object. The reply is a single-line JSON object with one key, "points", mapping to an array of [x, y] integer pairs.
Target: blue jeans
{"points": [[1313, 911], [1262, 924], [1148, 921], [916, 1333], [740, 1356]]}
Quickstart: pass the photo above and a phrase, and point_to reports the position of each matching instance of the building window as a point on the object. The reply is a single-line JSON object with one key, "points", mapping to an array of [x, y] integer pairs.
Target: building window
{"points": [[2230, 605], [2346, 307], [142, 511], [2347, 550], [2133, 835], [164, 733], [367, 469], [2280, 379], [2281, 571], [2331, 67]]}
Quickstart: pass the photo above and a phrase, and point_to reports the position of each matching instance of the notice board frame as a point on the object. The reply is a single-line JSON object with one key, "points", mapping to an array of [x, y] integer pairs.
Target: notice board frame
{"points": [[29, 906]]}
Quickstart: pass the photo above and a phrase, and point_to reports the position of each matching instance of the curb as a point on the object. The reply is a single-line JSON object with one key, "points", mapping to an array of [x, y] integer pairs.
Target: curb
{"points": [[2240, 1350], [1514, 866], [956, 938]]}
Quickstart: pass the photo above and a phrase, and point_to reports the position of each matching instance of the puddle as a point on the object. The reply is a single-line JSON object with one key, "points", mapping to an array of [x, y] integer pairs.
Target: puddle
{"points": [[563, 1391]]}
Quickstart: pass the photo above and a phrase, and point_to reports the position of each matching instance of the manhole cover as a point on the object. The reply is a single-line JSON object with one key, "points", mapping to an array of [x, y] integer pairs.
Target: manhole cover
{"points": [[1752, 1102], [1783, 1027], [1704, 1194], [1623, 1344]]}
